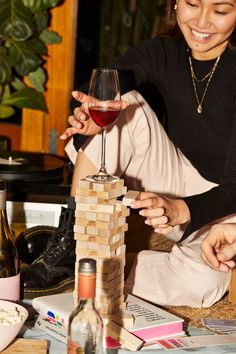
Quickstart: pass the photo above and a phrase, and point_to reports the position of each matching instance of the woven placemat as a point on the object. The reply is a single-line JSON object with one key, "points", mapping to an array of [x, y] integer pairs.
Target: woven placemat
{"points": [[192, 316]]}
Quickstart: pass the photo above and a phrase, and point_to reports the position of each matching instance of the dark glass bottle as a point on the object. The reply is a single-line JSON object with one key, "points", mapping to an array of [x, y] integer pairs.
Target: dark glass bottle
{"points": [[9, 261], [85, 328]]}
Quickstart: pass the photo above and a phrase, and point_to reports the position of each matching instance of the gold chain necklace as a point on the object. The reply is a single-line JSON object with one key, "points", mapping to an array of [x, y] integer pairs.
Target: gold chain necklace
{"points": [[193, 76]]}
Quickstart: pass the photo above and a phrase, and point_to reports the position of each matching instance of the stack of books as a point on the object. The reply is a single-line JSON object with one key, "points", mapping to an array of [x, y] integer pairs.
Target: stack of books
{"points": [[150, 322]]}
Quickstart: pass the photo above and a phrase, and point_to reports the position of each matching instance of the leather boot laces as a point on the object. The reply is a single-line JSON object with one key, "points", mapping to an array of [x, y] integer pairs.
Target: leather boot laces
{"points": [[62, 236]]}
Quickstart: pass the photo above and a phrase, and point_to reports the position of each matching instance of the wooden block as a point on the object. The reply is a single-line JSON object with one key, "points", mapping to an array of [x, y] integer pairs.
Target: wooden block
{"points": [[100, 254], [97, 216], [82, 245], [105, 187], [85, 192], [106, 225], [110, 291], [102, 208], [232, 289], [109, 276], [88, 215], [114, 231], [111, 283], [105, 299], [99, 239], [122, 319], [95, 253], [119, 206], [27, 346], [88, 200], [109, 307], [85, 184], [85, 222], [127, 339], [130, 197], [110, 194], [105, 265]]}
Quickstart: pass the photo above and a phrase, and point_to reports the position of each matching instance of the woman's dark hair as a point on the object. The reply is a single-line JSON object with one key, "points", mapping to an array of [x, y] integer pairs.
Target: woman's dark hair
{"points": [[172, 27]]}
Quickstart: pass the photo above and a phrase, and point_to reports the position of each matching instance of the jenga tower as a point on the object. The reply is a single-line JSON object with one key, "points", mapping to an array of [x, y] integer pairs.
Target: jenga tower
{"points": [[100, 225]]}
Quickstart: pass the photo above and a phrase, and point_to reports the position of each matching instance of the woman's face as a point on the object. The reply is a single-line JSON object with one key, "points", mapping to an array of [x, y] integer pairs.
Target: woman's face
{"points": [[206, 25]]}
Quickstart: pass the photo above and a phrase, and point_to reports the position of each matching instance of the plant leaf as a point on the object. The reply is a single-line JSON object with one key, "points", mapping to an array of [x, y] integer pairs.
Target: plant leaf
{"points": [[17, 84], [24, 58], [42, 20], [37, 6], [6, 111], [5, 67], [26, 98], [37, 79], [50, 37], [16, 20], [6, 92], [37, 46]]}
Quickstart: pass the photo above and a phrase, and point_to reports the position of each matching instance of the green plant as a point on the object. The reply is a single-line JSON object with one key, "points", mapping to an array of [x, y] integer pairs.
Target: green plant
{"points": [[24, 36]]}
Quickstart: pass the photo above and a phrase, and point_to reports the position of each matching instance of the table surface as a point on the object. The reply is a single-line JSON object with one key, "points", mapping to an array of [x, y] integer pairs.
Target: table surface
{"points": [[57, 347]]}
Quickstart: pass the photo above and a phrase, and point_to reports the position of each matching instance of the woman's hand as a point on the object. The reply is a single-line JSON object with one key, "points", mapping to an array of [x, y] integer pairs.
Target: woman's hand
{"points": [[80, 121], [161, 213], [219, 247]]}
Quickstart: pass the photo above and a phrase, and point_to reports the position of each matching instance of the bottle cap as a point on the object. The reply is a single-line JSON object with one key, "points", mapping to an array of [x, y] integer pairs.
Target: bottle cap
{"points": [[87, 266]]}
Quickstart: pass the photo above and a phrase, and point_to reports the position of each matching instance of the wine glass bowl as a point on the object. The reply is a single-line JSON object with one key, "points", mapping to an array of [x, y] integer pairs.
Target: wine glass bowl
{"points": [[104, 109], [103, 116]]}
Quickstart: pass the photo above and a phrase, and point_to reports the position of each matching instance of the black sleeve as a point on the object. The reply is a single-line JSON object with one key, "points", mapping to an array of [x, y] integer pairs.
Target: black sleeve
{"points": [[218, 202]]}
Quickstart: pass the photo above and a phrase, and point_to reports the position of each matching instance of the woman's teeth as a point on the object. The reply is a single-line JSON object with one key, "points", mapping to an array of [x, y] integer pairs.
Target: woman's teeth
{"points": [[200, 35]]}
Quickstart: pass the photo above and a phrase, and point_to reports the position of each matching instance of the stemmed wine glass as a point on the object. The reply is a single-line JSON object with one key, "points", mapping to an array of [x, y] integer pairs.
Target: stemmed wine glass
{"points": [[105, 88]]}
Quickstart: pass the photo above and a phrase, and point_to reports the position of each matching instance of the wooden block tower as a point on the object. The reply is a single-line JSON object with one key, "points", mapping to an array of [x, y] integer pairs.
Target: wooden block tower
{"points": [[100, 225]]}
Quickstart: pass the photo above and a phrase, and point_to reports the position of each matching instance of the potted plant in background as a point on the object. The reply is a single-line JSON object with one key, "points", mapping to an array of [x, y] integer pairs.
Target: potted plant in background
{"points": [[24, 36]]}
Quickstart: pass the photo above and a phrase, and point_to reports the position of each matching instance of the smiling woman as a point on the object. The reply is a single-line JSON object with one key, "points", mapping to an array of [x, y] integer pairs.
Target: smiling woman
{"points": [[187, 177], [207, 25]]}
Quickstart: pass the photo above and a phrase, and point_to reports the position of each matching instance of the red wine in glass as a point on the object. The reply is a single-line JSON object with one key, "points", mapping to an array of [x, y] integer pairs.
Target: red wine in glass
{"points": [[104, 88], [103, 116]]}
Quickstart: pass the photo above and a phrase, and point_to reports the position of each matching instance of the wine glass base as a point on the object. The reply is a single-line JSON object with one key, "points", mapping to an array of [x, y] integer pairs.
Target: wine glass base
{"points": [[101, 178]]}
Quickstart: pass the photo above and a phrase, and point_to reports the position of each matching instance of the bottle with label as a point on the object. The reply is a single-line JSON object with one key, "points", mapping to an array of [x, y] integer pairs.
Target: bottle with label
{"points": [[9, 261], [85, 327]]}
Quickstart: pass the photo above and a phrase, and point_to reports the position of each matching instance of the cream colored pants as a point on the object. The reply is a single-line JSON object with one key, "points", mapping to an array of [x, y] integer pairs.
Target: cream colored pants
{"points": [[138, 149]]}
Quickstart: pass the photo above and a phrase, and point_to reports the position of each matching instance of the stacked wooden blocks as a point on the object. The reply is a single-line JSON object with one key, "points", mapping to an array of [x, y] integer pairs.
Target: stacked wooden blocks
{"points": [[100, 225]]}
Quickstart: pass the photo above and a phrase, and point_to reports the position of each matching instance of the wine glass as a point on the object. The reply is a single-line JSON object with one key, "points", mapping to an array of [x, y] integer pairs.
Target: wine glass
{"points": [[104, 87]]}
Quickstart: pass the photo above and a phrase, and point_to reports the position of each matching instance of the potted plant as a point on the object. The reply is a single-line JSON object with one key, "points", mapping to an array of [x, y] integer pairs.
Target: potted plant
{"points": [[24, 36]]}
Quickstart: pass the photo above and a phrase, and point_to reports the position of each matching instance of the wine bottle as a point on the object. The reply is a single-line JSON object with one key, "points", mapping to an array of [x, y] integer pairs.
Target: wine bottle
{"points": [[85, 327], [9, 261]]}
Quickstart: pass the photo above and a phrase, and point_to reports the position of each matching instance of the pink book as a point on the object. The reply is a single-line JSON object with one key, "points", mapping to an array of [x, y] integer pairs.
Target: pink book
{"points": [[151, 322]]}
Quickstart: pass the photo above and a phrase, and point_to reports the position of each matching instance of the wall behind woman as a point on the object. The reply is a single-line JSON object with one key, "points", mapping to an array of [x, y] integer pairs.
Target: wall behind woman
{"points": [[106, 28], [127, 22]]}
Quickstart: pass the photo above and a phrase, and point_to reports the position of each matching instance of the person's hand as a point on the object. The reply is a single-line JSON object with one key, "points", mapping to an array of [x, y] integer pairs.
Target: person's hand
{"points": [[80, 121], [161, 213], [219, 247]]}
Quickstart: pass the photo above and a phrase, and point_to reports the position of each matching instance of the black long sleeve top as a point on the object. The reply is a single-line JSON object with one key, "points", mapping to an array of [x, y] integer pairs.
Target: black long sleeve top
{"points": [[208, 139]]}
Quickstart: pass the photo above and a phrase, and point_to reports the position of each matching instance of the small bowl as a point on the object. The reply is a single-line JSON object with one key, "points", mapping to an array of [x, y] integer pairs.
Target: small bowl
{"points": [[10, 331]]}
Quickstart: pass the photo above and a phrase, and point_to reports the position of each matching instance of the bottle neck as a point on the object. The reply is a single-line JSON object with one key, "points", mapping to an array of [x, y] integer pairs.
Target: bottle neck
{"points": [[88, 303], [3, 196], [86, 287]]}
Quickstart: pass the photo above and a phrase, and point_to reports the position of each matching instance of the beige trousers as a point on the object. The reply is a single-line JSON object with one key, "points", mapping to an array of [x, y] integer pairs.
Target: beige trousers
{"points": [[138, 149]]}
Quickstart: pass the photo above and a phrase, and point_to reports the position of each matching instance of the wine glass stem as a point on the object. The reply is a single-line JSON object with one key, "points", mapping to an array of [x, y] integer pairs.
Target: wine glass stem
{"points": [[103, 168]]}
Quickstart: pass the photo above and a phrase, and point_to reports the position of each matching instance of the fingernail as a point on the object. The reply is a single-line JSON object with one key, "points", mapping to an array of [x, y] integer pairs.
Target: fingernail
{"points": [[141, 213]]}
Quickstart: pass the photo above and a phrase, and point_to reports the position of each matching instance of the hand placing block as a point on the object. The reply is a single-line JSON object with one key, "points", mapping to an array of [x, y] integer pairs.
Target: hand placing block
{"points": [[130, 197]]}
